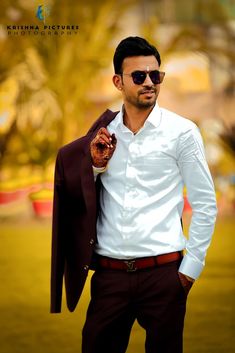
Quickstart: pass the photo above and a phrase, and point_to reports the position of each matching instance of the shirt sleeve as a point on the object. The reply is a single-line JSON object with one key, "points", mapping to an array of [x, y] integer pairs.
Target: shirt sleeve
{"points": [[201, 195]]}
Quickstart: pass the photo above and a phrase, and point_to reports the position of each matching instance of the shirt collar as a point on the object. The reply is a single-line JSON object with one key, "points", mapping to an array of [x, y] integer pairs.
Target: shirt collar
{"points": [[154, 117]]}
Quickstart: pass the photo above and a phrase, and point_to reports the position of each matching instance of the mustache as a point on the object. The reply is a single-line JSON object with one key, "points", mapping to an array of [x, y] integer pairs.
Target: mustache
{"points": [[147, 90]]}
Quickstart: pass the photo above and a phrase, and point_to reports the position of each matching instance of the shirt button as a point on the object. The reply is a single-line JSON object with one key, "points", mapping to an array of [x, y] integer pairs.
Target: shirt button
{"points": [[86, 267], [91, 241]]}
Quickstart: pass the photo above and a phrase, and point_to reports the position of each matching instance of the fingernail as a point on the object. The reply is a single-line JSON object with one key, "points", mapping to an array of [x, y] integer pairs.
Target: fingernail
{"points": [[111, 146], [110, 139]]}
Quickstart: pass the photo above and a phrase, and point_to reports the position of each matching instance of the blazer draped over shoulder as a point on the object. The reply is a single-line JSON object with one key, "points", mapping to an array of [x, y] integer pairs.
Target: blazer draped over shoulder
{"points": [[75, 209]]}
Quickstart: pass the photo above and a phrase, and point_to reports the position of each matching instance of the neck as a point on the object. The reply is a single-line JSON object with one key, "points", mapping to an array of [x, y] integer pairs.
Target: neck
{"points": [[135, 118]]}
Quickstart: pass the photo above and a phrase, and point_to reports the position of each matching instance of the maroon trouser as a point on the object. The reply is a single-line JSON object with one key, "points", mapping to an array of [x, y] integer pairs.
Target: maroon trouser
{"points": [[153, 296]]}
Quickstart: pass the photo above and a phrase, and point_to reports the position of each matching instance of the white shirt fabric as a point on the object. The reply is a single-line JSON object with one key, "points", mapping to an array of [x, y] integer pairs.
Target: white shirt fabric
{"points": [[142, 192]]}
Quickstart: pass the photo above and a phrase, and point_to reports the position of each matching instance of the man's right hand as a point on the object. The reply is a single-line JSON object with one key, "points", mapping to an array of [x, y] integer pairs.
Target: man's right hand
{"points": [[102, 147]]}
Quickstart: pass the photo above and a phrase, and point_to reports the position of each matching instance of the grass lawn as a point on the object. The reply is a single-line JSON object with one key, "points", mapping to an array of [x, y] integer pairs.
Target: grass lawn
{"points": [[27, 327]]}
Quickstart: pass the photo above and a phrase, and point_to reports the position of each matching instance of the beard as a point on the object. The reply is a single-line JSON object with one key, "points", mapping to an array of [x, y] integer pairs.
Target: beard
{"points": [[146, 98]]}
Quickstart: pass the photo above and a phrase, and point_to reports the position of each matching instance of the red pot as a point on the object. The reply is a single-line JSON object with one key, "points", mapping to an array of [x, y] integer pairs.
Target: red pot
{"points": [[42, 208]]}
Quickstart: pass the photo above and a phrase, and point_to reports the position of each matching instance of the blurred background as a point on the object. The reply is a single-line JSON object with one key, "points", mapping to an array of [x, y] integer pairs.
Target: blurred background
{"points": [[54, 83]]}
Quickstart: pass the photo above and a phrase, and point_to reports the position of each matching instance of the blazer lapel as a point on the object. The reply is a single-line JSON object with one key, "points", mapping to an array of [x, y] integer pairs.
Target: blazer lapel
{"points": [[88, 188]]}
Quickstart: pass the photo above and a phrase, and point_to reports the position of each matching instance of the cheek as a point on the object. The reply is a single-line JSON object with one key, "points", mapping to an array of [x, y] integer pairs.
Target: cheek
{"points": [[130, 91]]}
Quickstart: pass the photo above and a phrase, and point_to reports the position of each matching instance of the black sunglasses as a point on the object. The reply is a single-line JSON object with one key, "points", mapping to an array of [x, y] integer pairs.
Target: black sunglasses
{"points": [[139, 77]]}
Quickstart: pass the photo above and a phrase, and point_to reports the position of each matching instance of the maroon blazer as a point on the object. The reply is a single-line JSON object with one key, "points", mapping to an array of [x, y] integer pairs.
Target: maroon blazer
{"points": [[74, 217]]}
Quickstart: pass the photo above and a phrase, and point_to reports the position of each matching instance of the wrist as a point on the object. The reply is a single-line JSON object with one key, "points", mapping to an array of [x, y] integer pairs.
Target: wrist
{"points": [[190, 279], [187, 278], [99, 165], [98, 162]]}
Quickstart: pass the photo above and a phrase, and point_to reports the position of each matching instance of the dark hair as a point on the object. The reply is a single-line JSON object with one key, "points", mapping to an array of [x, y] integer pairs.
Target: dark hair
{"points": [[133, 46]]}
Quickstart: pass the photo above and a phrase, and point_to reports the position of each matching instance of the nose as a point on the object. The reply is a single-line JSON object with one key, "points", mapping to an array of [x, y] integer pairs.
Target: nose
{"points": [[148, 81]]}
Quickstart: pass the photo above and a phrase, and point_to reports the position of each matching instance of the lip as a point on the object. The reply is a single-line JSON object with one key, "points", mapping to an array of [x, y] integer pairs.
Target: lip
{"points": [[148, 92]]}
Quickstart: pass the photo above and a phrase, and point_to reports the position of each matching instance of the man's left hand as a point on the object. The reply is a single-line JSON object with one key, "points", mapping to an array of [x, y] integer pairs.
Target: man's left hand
{"points": [[186, 282]]}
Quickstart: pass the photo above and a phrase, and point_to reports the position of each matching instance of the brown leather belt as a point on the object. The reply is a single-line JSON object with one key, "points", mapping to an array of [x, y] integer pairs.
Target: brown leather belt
{"points": [[138, 263]]}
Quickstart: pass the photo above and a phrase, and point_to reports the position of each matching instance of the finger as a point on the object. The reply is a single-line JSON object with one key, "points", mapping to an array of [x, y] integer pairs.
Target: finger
{"points": [[104, 131], [108, 153], [114, 140], [102, 142], [104, 138]]}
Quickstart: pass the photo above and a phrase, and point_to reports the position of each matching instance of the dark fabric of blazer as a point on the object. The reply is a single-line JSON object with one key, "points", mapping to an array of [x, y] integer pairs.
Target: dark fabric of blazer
{"points": [[75, 209]]}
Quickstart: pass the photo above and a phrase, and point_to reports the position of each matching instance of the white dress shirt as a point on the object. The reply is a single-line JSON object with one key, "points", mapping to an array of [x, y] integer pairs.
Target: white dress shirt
{"points": [[142, 192]]}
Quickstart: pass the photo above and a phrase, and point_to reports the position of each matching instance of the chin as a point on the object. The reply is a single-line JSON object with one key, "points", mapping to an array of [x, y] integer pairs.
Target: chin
{"points": [[147, 104]]}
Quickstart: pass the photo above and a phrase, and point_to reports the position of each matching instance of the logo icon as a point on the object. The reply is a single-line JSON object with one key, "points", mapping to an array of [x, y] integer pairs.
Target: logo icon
{"points": [[42, 12]]}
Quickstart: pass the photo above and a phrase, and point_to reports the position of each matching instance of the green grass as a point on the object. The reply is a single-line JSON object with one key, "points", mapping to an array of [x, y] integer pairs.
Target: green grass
{"points": [[27, 327]]}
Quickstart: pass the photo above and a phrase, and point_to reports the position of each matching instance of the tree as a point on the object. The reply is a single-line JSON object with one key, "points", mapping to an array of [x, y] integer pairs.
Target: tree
{"points": [[53, 74]]}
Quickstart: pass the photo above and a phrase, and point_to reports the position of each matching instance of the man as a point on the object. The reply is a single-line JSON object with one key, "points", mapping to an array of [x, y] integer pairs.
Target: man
{"points": [[118, 203]]}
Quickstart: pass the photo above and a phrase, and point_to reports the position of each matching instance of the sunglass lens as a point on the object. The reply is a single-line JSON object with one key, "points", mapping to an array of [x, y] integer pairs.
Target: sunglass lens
{"points": [[155, 77], [138, 77]]}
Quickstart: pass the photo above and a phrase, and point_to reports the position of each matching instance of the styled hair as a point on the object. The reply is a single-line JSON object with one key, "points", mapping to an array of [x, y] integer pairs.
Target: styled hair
{"points": [[133, 46]]}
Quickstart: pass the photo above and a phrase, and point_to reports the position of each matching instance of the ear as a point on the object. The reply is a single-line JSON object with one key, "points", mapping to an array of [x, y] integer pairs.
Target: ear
{"points": [[117, 81]]}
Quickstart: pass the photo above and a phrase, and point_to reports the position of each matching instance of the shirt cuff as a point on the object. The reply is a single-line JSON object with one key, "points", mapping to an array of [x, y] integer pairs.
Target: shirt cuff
{"points": [[97, 170], [191, 267]]}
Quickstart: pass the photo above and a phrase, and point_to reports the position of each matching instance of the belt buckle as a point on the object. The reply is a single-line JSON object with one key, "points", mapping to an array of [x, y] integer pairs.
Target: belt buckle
{"points": [[130, 266]]}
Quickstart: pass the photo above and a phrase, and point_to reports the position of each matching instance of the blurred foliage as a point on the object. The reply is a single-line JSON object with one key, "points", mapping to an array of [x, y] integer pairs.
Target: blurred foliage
{"points": [[198, 26], [46, 81], [228, 138], [205, 27]]}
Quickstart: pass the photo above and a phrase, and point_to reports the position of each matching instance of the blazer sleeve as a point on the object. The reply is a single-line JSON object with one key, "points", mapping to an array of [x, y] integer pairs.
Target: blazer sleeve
{"points": [[58, 234]]}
